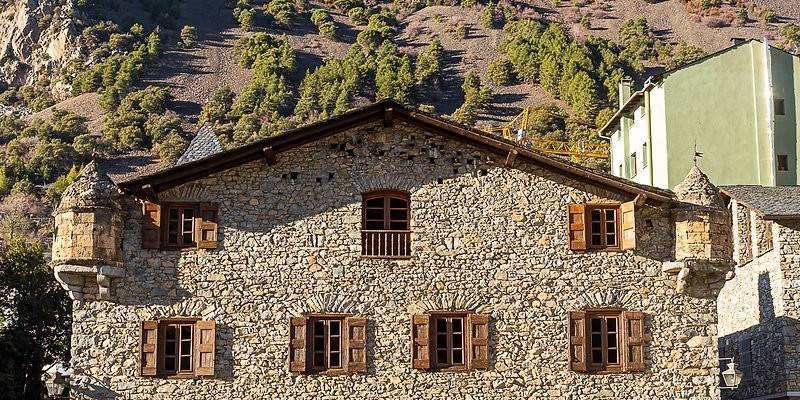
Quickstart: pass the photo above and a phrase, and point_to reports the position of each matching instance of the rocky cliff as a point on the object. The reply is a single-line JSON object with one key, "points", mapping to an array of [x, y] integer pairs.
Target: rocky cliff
{"points": [[35, 36]]}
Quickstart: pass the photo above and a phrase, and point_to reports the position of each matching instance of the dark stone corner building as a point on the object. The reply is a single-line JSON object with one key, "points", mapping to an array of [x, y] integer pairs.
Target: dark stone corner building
{"points": [[389, 254]]}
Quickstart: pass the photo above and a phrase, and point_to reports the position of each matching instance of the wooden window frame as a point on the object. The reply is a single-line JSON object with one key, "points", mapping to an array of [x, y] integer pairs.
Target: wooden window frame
{"points": [[165, 231], [605, 346], [603, 226], [310, 346], [449, 348], [581, 346], [402, 249], [161, 356]]}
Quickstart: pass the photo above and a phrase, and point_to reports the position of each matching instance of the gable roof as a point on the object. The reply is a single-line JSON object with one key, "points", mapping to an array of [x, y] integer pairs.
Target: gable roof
{"points": [[769, 202], [204, 144], [387, 111]]}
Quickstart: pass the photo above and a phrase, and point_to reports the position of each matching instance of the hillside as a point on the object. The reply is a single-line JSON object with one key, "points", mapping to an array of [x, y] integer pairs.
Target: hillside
{"points": [[124, 79], [194, 74]]}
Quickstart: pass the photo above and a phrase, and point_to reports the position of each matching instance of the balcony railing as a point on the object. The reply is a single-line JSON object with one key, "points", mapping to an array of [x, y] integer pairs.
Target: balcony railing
{"points": [[386, 244]]}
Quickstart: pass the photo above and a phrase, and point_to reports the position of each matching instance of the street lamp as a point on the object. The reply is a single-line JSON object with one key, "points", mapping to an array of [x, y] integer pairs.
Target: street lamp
{"points": [[732, 376], [55, 381]]}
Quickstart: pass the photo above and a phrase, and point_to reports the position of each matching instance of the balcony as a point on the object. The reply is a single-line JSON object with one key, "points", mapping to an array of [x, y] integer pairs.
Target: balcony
{"points": [[386, 244]]}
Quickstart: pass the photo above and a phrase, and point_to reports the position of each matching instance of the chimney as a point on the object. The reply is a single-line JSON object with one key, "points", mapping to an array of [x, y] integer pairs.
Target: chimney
{"points": [[625, 89], [735, 41]]}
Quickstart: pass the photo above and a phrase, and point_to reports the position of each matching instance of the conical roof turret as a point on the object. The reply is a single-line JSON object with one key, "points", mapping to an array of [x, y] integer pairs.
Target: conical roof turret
{"points": [[697, 189]]}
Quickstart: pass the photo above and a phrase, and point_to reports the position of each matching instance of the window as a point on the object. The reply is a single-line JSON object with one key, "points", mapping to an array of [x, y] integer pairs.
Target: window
{"points": [[327, 344], [621, 171], [602, 226], [780, 106], [179, 347], [444, 341], [180, 226], [746, 358], [644, 155], [783, 162], [385, 229], [633, 164], [606, 341]]}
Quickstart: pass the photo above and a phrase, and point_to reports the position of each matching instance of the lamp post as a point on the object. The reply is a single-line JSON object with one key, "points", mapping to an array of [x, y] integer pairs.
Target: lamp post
{"points": [[56, 381], [731, 376]]}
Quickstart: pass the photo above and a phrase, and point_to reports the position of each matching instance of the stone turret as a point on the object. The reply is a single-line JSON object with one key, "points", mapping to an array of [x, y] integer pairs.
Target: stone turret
{"points": [[87, 248], [703, 236]]}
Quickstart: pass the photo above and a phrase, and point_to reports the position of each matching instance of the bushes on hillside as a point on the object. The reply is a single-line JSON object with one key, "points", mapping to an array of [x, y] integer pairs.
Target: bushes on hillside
{"points": [[322, 19], [243, 13], [476, 97], [500, 71], [394, 76], [330, 89], [429, 64], [219, 106], [188, 37], [281, 12], [683, 54]]}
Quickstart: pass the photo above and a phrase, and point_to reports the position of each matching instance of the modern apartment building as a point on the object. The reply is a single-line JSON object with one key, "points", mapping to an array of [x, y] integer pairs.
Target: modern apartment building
{"points": [[737, 107]]}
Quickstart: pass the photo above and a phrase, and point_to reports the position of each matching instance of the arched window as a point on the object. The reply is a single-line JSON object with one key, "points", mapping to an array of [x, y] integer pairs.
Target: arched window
{"points": [[385, 230]]}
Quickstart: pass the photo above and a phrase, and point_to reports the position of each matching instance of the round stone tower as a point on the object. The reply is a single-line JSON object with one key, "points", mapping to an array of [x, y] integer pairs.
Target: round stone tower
{"points": [[87, 248], [703, 233]]}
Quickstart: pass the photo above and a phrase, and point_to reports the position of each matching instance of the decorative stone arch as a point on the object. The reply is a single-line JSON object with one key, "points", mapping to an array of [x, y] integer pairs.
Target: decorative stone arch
{"points": [[603, 298], [451, 302], [186, 192], [331, 303], [371, 183]]}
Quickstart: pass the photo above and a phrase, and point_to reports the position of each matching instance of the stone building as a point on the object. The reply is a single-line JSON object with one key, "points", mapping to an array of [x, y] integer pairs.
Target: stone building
{"points": [[758, 309], [389, 254]]}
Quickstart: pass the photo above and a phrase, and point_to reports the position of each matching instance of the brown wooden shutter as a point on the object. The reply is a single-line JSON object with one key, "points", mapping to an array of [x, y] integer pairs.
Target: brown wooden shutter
{"points": [[628, 225], [420, 338], [479, 341], [297, 344], [205, 340], [634, 340], [148, 351], [207, 226], [151, 226], [576, 331], [356, 344], [576, 214]]}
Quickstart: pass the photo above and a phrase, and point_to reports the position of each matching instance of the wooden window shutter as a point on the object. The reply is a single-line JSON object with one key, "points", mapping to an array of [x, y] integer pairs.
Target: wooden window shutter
{"points": [[297, 344], [576, 331], [577, 226], [628, 225], [148, 351], [205, 340], [633, 321], [479, 341], [151, 226], [207, 226], [356, 328], [420, 339]]}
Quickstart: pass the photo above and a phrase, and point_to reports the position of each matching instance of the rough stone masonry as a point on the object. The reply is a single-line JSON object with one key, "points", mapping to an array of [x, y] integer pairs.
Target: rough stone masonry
{"points": [[485, 236]]}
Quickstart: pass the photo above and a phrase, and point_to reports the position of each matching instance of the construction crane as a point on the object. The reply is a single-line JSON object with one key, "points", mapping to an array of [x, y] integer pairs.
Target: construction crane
{"points": [[517, 130]]}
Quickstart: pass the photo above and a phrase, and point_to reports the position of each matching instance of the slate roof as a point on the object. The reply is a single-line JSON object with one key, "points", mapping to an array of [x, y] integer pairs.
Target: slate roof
{"points": [[770, 202], [204, 144]]}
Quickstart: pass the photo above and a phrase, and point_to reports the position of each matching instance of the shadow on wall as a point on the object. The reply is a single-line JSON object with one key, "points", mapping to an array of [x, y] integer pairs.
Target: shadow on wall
{"points": [[92, 388], [763, 352]]}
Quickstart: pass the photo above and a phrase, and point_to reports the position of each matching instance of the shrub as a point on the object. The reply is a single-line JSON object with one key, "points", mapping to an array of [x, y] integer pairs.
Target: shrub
{"points": [[716, 22], [394, 75], [330, 89], [319, 16], [586, 21], [791, 33], [282, 12], [637, 40], [475, 99], [492, 17], [684, 54], [500, 71], [245, 18], [219, 106], [188, 36], [458, 28], [429, 64], [358, 15], [328, 30], [172, 147], [767, 14]]}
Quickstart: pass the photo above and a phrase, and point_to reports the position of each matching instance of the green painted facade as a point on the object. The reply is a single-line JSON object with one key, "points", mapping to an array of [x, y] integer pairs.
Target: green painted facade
{"points": [[728, 105]]}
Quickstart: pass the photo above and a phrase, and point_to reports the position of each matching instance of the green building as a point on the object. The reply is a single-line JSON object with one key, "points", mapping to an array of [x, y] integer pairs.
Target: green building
{"points": [[737, 106]]}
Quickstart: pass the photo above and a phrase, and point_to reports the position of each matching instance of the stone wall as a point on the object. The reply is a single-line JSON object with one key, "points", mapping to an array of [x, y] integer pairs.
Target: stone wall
{"points": [[742, 236], [482, 234], [760, 305]]}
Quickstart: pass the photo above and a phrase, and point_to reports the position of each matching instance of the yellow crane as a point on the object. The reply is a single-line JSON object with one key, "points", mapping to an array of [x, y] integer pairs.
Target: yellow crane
{"points": [[517, 130]]}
